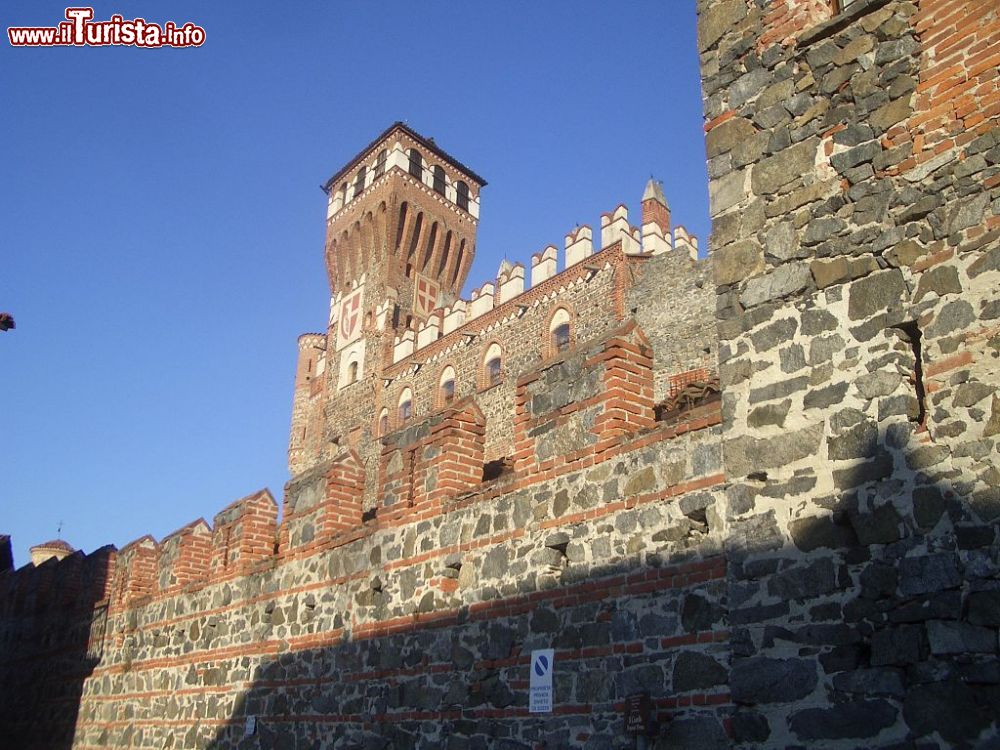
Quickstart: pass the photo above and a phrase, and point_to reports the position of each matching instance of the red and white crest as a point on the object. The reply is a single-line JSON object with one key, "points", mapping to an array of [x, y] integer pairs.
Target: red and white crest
{"points": [[349, 322], [425, 296]]}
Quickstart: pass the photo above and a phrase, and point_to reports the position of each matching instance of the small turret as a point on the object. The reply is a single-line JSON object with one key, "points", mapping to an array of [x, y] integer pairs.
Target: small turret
{"points": [[655, 219]]}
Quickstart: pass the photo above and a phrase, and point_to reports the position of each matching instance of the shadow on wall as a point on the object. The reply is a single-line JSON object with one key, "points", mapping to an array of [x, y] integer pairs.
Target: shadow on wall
{"points": [[872, 621], [459, 678], [48, 618]]}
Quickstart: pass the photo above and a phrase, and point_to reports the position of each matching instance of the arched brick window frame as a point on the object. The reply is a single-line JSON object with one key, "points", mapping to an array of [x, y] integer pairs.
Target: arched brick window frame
{"points": [[447, 374], [382, 423], [404, 406], [491, 366], [560, 331]]}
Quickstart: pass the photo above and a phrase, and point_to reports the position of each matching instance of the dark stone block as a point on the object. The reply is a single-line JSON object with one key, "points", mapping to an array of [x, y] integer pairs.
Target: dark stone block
{"points": [[867, 682], [696, 733], [697, 671], [956, 711], [928, 573], [881, 525], [899, 645], [805, 581], [842, 658], [859, 719], [813, 533], [945, 606], [749, 726], [762, 679], [698, 613], [984, 608], [869, 471]]}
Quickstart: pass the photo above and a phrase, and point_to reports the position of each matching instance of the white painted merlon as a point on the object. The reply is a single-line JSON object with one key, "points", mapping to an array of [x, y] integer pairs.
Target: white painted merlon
{"points": [[404, 346], [430, 331], [543, 265], [482, 300], [685, 242], [510, 282], [382, 313], [454, 316], [614, 226], [632, 242], [579, 245], [474, 206], [653, 241]]}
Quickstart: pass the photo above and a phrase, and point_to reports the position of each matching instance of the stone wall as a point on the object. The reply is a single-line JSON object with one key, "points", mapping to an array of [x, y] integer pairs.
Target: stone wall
{"points": [[414, 626], [855, 200]]}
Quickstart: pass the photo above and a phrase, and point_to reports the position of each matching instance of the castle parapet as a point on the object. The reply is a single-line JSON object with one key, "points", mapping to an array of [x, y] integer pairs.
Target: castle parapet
{"points": [[615, 227], [244, 534], [454, 316], [135, 572], [185, 556], [684, 242], [432, 461], [579, 245], [322, 504], [430, 331], [404, 346], [482, 300], [510, 282], [606, 387], [543, 265]]}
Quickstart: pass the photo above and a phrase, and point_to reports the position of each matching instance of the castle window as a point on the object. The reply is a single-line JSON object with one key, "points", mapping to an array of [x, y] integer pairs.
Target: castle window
{"points": [[447, 386], [383, 155], [462, 195], [559, 331], [359, 182], [352, 373], [416, 164], [343, 194], [405, 405], [383, 422], [439, 180], [493, 368]]}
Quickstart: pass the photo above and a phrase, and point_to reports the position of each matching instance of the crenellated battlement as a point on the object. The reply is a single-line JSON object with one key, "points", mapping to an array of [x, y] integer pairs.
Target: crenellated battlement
{"points": [[508, 290]]}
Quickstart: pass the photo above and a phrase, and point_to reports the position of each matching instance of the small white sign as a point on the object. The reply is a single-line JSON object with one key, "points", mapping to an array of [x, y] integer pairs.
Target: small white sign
{"points": [[251, 727], [540, 686]]}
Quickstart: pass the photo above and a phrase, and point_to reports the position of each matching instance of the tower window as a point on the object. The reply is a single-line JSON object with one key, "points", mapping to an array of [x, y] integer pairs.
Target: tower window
{"points": [[383, 422], [560, 337], [416, 164], [447, 387], [352, 373], [405, 405], [439, 180], [559, 331], [493, 368], [383, 155], [359, 182], [462, 195]]}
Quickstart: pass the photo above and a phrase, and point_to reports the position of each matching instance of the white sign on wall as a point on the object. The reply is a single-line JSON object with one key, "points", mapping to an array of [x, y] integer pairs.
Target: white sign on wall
{"points": [[540, 686]]}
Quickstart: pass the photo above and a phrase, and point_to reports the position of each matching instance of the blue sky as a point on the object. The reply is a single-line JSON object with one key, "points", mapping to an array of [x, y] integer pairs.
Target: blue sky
{"points": [[163, 224]]}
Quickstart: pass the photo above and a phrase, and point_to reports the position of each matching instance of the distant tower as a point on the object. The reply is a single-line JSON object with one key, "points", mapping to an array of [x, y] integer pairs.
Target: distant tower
{"points": [[400, 239], [57, 549]]}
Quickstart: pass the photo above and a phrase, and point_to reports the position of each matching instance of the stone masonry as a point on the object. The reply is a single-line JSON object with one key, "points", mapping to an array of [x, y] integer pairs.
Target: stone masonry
{"points": [[807, 558]]}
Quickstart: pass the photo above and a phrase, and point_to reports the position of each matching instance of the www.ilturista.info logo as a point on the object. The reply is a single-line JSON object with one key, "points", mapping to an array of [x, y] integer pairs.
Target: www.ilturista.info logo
{"points": [[80, 30]]}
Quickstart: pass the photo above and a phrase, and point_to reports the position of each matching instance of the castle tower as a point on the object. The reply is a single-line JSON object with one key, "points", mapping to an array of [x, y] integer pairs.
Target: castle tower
{"points": [[400, 239]]}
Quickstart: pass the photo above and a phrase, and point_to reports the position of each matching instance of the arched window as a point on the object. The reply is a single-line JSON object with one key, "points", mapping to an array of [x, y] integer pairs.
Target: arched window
{"points": [[559, 330], [359, 182], [416, 164], [383, 422], [462, 195], [446, 388], [439, 180], [383, 155], [352, 372], [405, 405], [343, 194], [493, 365]]}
